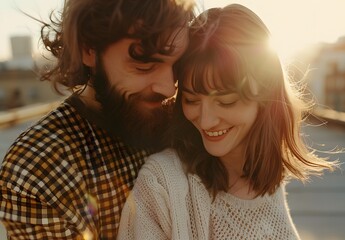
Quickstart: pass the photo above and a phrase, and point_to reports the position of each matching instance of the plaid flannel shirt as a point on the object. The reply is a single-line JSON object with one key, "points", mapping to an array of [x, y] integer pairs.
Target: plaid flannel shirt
{"points": [[66, 178]]}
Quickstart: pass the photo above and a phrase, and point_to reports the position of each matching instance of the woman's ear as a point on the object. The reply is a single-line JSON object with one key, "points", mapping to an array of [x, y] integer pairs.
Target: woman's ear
{"points": [[89, 57]]}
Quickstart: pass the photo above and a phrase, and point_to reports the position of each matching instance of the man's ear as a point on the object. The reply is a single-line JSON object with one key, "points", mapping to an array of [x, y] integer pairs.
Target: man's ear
{"points": [[89, 57]]}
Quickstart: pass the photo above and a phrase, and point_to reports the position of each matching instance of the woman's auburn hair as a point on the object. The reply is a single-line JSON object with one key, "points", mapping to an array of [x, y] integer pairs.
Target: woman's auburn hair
{"points": [[232, 44], [94, 25]]}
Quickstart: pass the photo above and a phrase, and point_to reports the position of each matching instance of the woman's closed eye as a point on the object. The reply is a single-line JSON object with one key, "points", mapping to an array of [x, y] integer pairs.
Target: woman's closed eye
{"points": [[190, 101], [227, 103], [227, 100]]}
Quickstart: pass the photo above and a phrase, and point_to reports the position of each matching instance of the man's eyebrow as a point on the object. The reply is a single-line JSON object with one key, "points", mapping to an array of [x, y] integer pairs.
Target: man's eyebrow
{"points": [[147, 60], [159, 57], [154, 59]]}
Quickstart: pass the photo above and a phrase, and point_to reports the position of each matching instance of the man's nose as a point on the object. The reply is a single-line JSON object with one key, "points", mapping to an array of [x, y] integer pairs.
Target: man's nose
{"points": [[164, 83]]}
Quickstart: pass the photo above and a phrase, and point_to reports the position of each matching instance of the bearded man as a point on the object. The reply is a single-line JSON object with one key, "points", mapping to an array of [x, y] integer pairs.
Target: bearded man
{"points": [[68, 176]]}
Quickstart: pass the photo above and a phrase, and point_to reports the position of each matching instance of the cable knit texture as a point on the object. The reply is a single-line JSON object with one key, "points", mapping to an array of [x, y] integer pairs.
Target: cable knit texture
{"points": [[165, 203]]}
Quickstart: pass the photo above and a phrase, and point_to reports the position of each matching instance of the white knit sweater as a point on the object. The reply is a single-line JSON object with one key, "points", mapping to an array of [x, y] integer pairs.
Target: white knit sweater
{"points": [[167, 204]]}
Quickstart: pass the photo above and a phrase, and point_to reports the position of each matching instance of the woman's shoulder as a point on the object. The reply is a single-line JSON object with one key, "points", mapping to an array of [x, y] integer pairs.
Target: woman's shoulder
{"points": [[166, 159], [164, 165]]}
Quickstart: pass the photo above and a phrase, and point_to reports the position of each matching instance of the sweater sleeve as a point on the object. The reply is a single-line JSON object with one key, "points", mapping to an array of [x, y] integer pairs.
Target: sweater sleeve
{"points": [[146, 212], [156, 207]]}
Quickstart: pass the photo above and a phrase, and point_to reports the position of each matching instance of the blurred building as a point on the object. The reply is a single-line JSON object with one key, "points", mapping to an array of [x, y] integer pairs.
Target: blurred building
{"points": [[19, 79], [327, 76], [21, 47], [23, 87]]}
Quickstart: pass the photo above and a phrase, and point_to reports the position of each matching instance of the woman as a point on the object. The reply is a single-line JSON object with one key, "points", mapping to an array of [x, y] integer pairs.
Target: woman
{"points": [[236, 140]]}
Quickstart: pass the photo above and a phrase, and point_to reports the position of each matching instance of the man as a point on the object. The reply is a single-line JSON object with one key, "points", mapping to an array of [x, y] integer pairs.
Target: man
{"points": [[67, 177]]}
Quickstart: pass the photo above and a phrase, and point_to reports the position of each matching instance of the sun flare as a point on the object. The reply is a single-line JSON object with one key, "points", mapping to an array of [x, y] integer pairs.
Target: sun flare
{"points": [[296, 24]]}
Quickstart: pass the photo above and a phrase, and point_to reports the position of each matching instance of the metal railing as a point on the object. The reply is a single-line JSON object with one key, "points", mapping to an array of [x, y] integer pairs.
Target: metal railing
{"points": [[331, 116], [18, 115], [15, 116]]}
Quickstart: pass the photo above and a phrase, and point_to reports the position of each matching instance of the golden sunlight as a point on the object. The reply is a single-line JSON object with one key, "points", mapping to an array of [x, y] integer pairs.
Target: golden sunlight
{"points": [[296, 24]]}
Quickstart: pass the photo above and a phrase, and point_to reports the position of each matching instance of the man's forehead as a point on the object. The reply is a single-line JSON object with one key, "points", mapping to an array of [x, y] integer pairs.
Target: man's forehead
{"points": [[178, 40], [178, 36]]}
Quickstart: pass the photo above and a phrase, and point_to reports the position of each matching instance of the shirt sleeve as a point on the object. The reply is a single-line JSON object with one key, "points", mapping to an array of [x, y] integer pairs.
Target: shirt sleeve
{"points": [[25, 217], [146, 212], [41, 195]]}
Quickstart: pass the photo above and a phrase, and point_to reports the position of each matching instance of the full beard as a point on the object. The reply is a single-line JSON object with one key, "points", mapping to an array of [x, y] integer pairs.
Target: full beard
{"points": [[142, 128]]}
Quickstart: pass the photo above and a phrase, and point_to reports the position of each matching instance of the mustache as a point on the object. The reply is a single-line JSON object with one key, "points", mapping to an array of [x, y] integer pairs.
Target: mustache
{"points": [[152, 97]]}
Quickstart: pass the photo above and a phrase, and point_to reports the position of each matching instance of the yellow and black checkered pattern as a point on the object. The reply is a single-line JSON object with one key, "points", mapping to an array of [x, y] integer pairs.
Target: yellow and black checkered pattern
{"points": [[66, 178]]}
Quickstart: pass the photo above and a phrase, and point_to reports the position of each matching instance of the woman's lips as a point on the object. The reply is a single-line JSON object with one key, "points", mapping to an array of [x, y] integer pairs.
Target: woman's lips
{"points": [[216, 135]]}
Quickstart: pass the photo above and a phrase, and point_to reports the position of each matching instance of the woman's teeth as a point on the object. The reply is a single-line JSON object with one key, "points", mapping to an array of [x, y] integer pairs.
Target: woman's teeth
{"points": [[216, 133]]}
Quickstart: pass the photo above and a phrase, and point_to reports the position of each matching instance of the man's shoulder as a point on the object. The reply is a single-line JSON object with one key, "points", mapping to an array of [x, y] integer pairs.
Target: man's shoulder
{"points": [[62, 116], [59, 121], [47, 135]]}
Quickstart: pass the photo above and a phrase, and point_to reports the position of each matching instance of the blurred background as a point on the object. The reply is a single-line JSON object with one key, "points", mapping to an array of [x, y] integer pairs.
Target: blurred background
{"points": [[309, 35]]}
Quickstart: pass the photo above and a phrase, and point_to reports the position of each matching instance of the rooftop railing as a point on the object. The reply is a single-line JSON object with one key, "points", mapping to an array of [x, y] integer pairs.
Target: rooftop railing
{"points": [[15, 116]]}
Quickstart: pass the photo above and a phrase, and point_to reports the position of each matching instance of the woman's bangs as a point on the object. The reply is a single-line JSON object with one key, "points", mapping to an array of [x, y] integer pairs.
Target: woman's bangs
{"points": [[212, 72]]}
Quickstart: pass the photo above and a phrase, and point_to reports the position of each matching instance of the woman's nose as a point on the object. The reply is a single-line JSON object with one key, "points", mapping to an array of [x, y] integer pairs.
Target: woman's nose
{"points": [[207, 117]]}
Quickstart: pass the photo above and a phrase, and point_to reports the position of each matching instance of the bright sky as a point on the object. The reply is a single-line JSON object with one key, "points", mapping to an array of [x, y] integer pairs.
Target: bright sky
{"points": [[293, 23], [15, 23]]}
